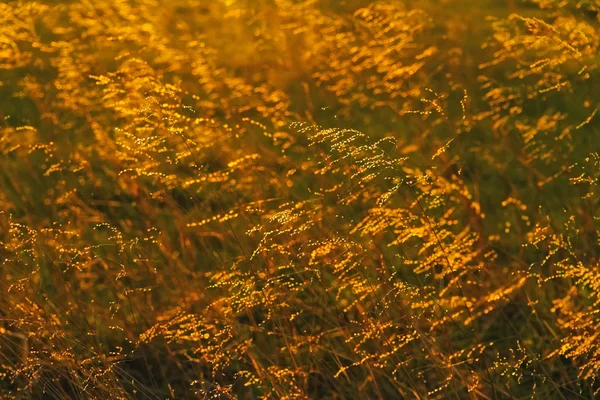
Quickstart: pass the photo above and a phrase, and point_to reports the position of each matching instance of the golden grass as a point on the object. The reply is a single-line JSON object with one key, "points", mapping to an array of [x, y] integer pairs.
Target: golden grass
{"points": [[299, 199]]}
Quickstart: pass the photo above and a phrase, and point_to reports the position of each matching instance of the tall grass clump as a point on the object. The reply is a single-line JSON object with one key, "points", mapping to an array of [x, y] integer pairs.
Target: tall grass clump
{"points": [[299, 199]]}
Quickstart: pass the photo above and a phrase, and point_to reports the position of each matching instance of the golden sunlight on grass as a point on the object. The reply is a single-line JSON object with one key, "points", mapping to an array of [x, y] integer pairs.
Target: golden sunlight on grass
{"points": [[299, 199]]}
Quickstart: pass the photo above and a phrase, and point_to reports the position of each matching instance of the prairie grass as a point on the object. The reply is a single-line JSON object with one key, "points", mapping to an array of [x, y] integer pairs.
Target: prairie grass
{"points": [[299, 199]]}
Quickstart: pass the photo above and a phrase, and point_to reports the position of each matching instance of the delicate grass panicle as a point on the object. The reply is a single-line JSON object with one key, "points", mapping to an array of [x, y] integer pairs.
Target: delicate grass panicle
{"points": [[299, 199]]}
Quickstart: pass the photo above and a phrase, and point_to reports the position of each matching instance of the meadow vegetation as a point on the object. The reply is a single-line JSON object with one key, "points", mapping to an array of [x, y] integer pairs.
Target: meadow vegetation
{"points": [[299, 199]]}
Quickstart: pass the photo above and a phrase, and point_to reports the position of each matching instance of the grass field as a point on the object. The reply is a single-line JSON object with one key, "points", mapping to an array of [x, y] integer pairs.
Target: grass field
{"points": [[299, 199]]}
